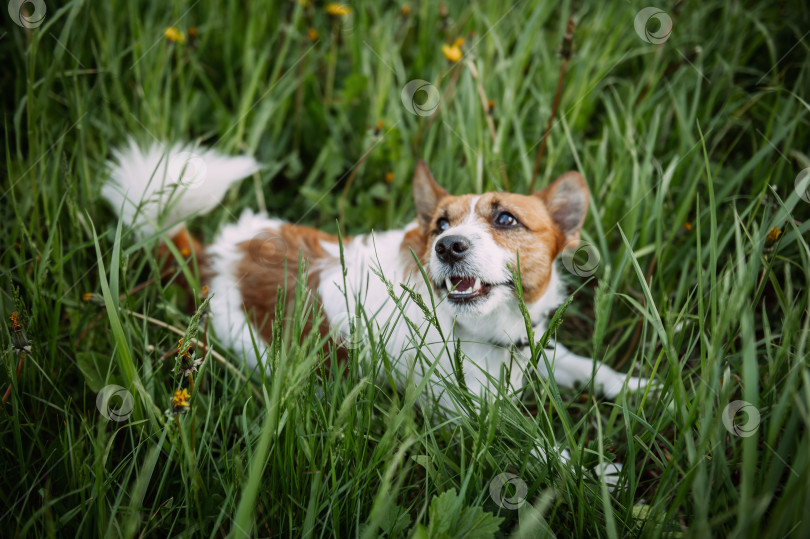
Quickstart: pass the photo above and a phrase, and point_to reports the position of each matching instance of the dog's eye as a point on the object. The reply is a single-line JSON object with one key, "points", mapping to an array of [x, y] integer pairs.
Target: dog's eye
{"points": [[442, 224], [505, 219]]}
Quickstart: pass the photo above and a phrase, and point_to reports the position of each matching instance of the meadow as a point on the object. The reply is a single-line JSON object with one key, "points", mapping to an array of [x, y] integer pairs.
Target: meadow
{"points": [[688, 121]]}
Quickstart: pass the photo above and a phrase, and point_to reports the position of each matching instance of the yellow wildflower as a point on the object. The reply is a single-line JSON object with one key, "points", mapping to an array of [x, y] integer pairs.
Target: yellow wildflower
{"points": [[180, 402], [687, 225], [773, 235], [452, 52], [338, 10], [406, 10], [174, 35], [459, 42], [389, 177], [312, 34], [18, 338], [15, 322]]}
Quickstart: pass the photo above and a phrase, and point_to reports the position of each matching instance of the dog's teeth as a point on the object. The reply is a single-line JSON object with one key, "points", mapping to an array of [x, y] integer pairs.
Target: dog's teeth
{"points": [[477, 285], [448, 283]]}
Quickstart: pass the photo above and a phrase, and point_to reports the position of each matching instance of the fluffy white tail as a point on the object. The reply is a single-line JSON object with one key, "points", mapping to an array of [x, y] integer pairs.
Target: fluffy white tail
{"points": [[162, 186]]}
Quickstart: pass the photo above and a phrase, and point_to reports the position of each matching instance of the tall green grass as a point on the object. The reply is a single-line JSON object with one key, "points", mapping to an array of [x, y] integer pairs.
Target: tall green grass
{"points": [[690, 149]]}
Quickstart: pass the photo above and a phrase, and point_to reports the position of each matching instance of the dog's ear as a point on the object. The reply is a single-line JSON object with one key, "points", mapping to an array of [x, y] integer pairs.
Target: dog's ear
{"points": [[426, 193], [567, 202]]}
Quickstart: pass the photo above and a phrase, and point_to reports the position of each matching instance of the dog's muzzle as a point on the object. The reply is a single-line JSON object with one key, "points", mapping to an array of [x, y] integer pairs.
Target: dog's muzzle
{"points": [[452, 249]]}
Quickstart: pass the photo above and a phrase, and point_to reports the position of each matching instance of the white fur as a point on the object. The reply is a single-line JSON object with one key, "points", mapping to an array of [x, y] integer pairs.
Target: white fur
{"points": [[146, 185]]}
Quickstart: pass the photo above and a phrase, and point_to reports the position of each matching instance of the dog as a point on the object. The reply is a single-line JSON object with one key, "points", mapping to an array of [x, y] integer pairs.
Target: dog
{"points": [[468, 247]]}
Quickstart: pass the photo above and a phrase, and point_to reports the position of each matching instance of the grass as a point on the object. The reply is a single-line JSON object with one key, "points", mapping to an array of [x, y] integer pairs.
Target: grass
{"points": [[690, 148]]}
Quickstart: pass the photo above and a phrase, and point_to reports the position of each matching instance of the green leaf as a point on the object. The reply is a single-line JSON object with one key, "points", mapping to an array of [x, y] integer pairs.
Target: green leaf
{"points": [[443, 510], [475, 523], [450, 518]]}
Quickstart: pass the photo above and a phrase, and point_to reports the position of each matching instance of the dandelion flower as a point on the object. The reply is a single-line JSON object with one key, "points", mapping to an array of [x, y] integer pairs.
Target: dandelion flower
{"points": [[773, 235], [18, 339], [188, 364], [180, 402], [15, 321], [452, 52], [92, 297], [406, 10], [337, 10], [174, 35], [312, 34]]}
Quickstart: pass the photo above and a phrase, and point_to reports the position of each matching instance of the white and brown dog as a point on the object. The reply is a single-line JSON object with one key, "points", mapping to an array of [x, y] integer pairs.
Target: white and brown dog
{"points": [[466, 245]]}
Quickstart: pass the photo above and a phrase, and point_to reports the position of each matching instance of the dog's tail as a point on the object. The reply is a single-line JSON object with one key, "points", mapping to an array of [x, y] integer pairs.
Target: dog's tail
{"points": [[158, 187]]}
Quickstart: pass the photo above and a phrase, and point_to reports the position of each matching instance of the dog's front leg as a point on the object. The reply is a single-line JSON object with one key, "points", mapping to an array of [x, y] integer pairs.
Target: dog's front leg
{"points": [[571, 370]]}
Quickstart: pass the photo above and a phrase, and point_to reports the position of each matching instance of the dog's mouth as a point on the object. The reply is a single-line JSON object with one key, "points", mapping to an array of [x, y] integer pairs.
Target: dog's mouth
{"points": [[465, 289]]}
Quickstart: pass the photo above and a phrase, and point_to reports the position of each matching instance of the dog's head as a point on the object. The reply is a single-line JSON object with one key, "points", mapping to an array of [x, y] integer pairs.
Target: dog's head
{"points": [[470, 241]]}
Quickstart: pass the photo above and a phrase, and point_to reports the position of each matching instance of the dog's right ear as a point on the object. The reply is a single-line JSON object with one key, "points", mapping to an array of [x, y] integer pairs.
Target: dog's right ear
{"points": [[426, 193]]}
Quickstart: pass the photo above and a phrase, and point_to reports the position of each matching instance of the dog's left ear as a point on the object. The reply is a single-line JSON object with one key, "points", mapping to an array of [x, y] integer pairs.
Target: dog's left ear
{"points": [[567, 202], [426, 193]]}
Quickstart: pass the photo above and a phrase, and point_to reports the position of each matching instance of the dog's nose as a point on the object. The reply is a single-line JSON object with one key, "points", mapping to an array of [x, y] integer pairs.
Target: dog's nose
{"points": [[451, 249]]}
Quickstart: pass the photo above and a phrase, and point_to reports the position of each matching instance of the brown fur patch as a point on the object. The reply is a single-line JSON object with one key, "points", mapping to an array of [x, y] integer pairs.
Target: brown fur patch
{"points": [[262, 271], [414, 239], [454, 209]]}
